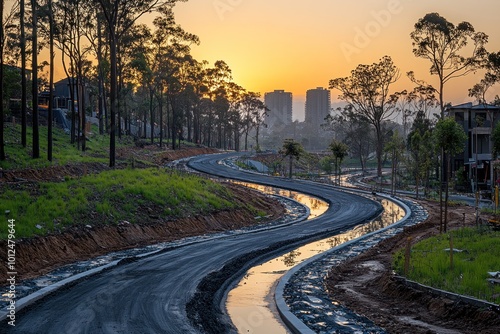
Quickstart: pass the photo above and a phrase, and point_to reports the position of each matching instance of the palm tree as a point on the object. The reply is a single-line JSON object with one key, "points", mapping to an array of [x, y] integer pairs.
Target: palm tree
{"points": [[291, 149]]}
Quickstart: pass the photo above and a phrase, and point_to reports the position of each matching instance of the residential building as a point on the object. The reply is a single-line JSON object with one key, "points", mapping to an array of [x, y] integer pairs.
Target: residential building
{"points": [[317, 106], [279, 104], [62, 93], [476, 162]]}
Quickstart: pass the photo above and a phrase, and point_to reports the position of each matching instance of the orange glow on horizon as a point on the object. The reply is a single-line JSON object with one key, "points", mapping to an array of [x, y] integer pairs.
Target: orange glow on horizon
{"points": [[296, 46]]}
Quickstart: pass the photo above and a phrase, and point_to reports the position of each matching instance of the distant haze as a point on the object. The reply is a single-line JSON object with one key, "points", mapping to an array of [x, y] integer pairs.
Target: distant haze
{"points": [[297, 45]]}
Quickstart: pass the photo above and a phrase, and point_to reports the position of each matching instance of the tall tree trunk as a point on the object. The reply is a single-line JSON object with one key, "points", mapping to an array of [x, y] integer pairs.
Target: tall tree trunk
{"points": [[24, 85], [119, 96], [160, 107], [151, 115], [78, 115], [446, 196], [113, 97], [71, 86], [2, 141], [100, 78], [441, 178], [82, 109], [442, 171], [174, 107], [257, 138], [379, 149], [145, 124], [34, 86], [51, 82]]}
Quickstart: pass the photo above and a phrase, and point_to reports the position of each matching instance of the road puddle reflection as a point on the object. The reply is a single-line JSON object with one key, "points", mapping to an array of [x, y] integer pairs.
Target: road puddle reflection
{"points": [[250, 304], [315, 205]]}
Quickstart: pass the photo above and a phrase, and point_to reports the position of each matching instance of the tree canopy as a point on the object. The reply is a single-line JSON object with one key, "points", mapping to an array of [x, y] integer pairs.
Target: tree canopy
{"points": [[443, 44], [367, 92], [291, 149]]}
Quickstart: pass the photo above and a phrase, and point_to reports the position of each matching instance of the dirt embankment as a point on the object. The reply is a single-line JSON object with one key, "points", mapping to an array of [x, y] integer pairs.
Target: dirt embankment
{"points": [[366, 285], [39, 255]]}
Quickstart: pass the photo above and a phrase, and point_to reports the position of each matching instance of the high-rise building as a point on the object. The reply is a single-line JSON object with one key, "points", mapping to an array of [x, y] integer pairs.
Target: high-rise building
{"points": [[317, 106], [279, 103]]}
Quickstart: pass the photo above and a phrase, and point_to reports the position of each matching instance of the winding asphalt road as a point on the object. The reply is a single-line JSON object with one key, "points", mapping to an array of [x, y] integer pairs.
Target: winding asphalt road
{"points": [[150, 295]]}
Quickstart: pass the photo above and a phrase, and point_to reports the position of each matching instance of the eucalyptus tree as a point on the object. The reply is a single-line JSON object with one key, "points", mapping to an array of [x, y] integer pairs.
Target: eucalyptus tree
{"points": [[72, 19], [13, 49], [120, 16], [423, 157], [46, 32], [346, 127], [217, 80], [8, 35], [367, 92], [192, 82], [396, 149], [34, 80], [142, 66], [231, 121], [197, 81], [253, 112], [96, 35], [423, 98], [259, 117], [444, 45], [451, 138], [16, 52], [491, 77], [24, 85], [50, 13], [447, 48], [419, 160], [172, 47], [2, 42]]}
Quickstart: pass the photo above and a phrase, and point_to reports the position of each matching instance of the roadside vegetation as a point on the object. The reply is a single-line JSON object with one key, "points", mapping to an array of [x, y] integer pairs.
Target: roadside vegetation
{"points": [[110, 197], [18, 157], [475, 254]]}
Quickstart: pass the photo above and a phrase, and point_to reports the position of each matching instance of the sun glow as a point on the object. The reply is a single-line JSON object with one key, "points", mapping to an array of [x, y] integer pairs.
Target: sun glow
{"points": [[294, 45]]}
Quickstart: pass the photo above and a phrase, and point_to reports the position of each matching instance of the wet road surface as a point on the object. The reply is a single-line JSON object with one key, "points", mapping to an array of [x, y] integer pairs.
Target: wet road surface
{"points": [[150, 295]]}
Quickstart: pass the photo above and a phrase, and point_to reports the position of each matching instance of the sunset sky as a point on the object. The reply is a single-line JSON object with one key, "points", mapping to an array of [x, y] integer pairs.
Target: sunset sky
{"points": [[298, 45]]}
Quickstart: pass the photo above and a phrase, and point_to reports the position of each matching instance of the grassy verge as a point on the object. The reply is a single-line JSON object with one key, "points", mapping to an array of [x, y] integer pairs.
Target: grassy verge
{"points": [[133, 195], [477, 252], [18, 157]]}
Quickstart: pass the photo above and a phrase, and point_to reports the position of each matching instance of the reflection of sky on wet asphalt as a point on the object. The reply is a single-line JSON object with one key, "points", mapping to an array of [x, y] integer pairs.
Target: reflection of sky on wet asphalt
{"points": [[247, 303]]}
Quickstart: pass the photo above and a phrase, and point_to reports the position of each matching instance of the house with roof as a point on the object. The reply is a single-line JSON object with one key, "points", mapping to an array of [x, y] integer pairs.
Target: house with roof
{"points": [[476, 162]]}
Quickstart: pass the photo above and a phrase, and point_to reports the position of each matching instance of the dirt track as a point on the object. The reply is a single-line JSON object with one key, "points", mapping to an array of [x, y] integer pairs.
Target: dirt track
{"points": [[365, 284]]}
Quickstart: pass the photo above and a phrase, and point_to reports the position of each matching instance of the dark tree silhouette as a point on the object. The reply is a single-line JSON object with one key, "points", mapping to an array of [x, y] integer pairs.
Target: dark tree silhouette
{"points": [[34, 78], [442, 43], [120, 16], [367, 93], [339, 152], [450, 137], [291, 149], [2, 40]]}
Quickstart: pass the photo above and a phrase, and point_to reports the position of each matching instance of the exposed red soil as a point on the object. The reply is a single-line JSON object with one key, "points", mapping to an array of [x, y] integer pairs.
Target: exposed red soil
{"points": [[365, 285], [39, 255]]}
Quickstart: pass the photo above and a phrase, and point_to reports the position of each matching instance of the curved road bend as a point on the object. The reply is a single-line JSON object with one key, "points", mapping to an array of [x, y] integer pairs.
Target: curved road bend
{"points": [[150, 294]]}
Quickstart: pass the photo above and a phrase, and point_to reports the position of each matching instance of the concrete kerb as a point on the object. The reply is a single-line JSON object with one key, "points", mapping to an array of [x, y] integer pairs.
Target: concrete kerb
{"points": [[295, 324]]}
